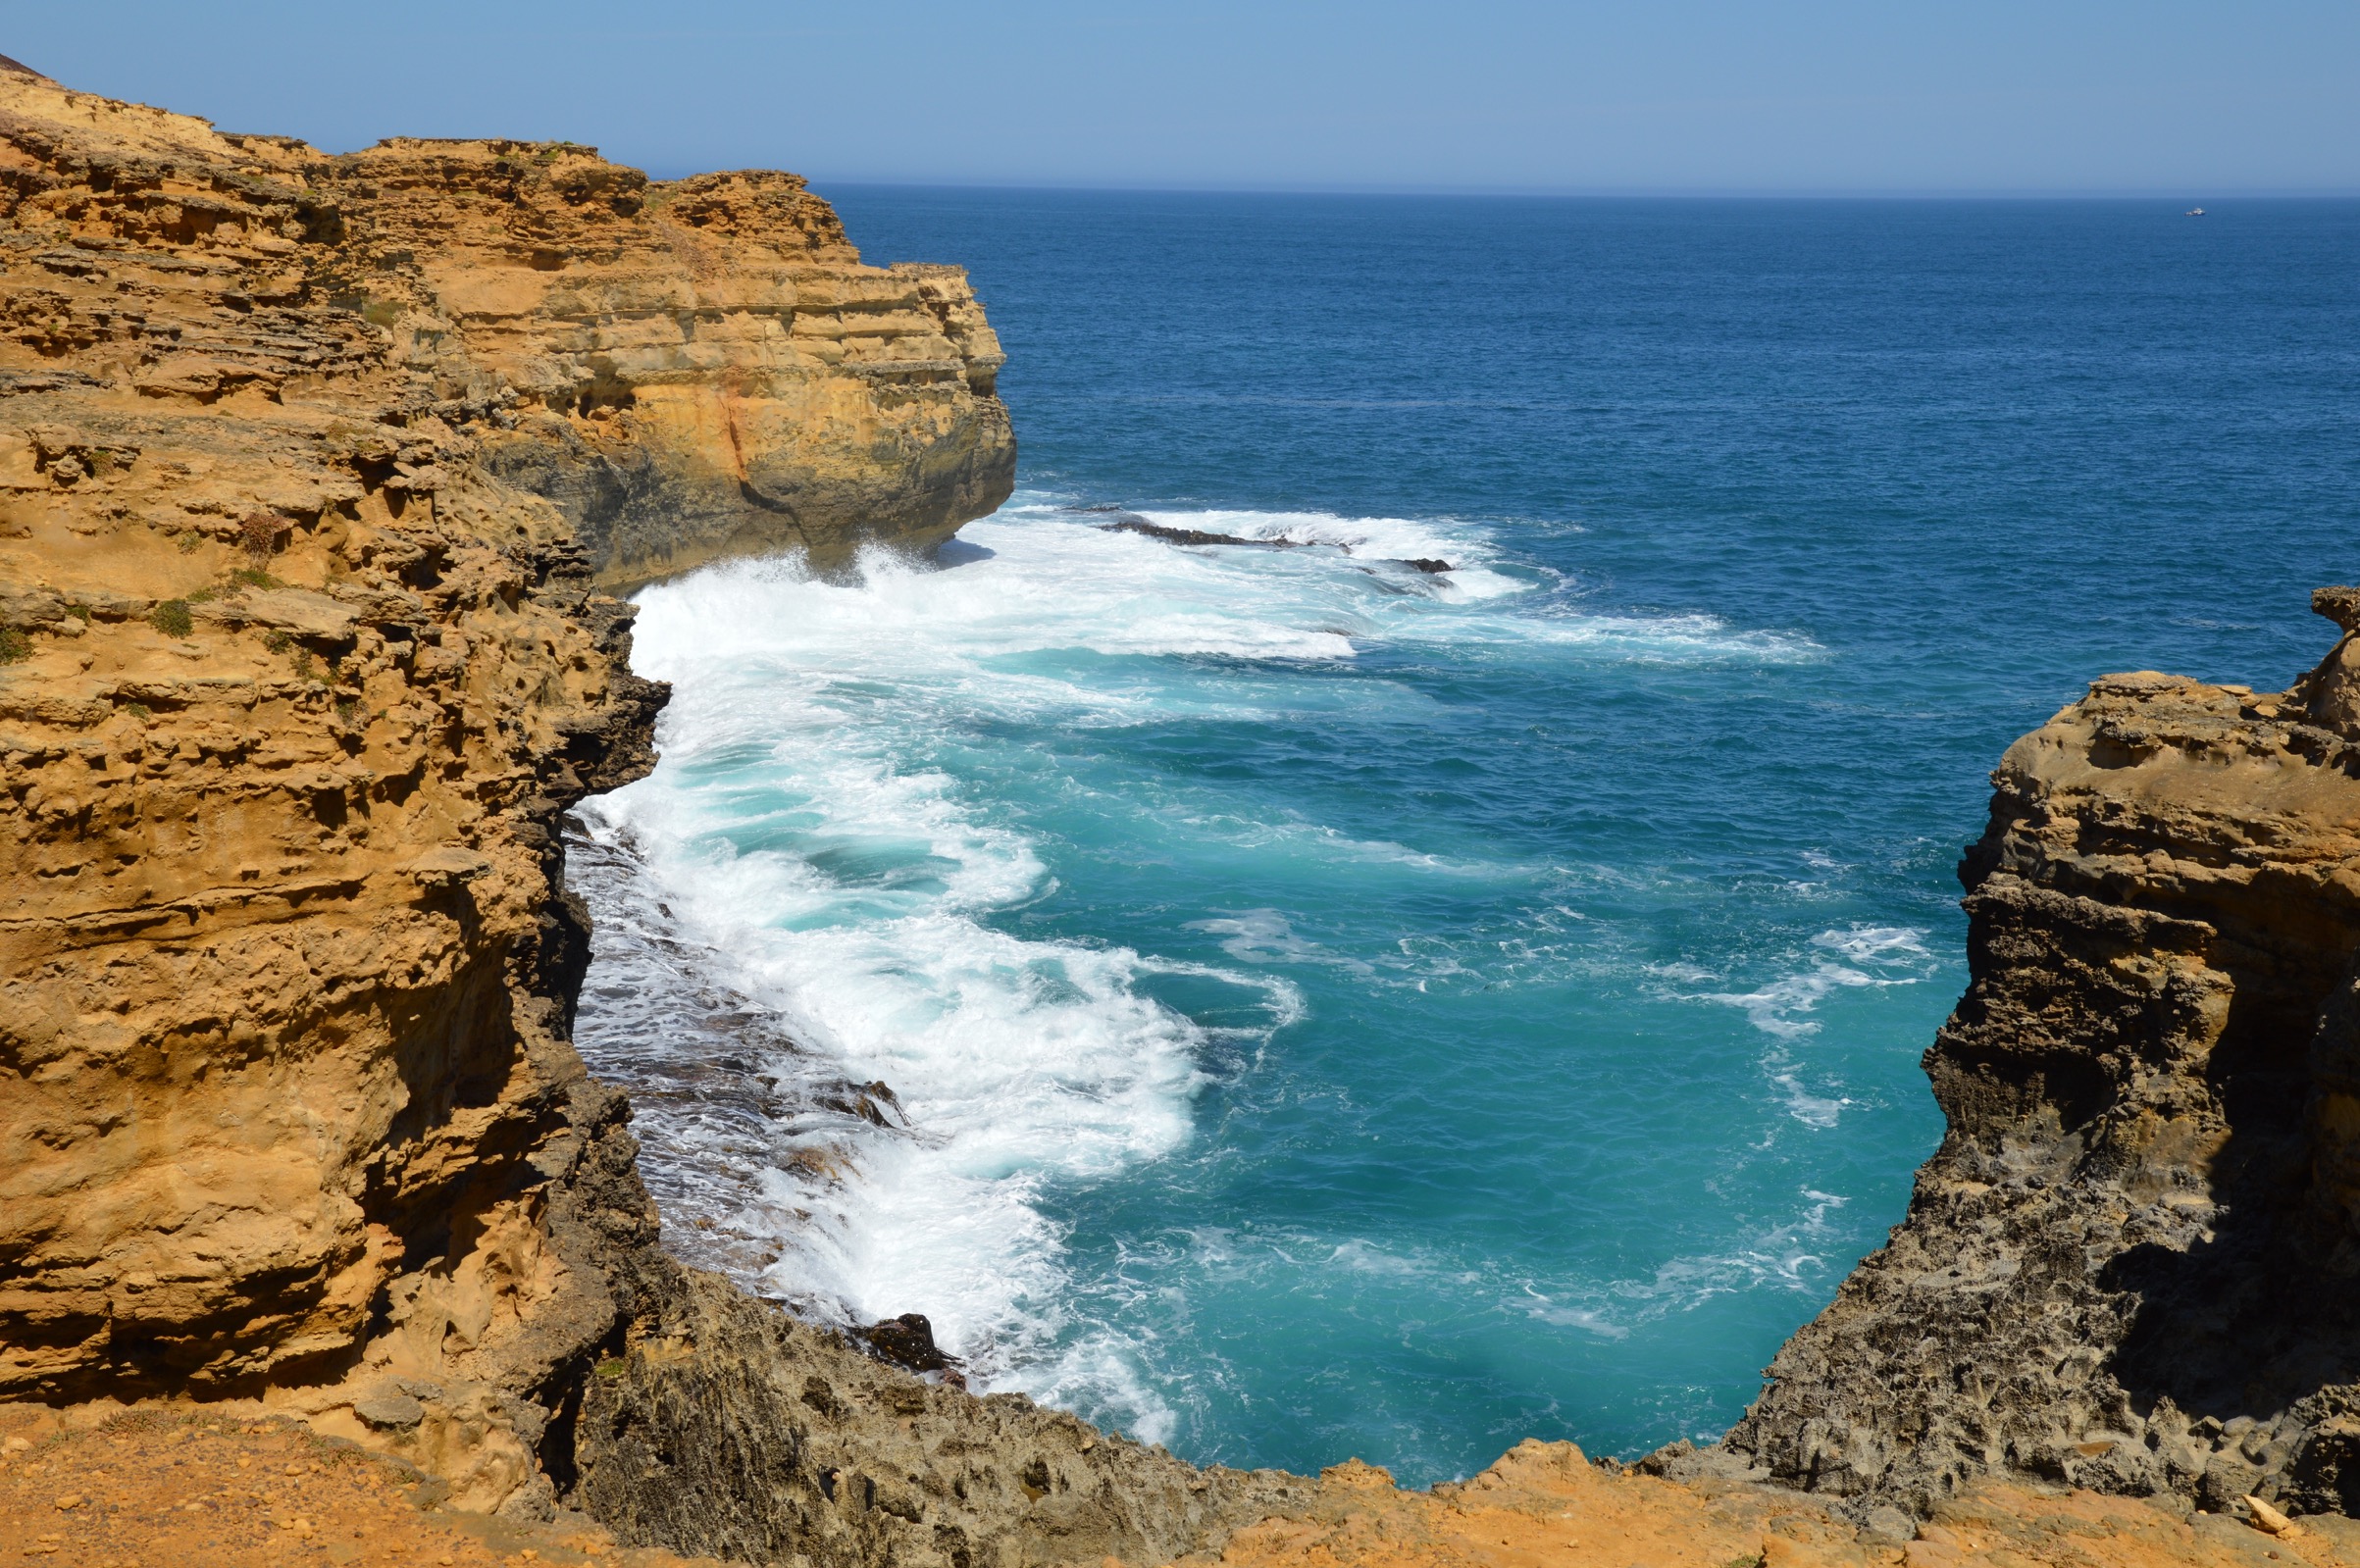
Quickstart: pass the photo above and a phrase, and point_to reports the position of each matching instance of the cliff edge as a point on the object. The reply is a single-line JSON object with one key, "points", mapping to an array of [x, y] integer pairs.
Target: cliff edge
{"points": [[2131, 1264], [683, 369]]}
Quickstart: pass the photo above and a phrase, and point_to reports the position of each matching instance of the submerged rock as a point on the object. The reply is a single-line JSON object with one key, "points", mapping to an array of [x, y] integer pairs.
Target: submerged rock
{"points": [[1128, 523], [1174, 535]]}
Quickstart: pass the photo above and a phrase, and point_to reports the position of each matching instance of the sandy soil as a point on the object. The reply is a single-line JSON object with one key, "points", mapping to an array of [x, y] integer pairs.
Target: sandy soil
{"points": [[1544, 1506], [146, 1489]]}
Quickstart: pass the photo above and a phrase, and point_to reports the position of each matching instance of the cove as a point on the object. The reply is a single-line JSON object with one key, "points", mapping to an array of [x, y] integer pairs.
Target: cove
{"points": [[1286, 1003]]}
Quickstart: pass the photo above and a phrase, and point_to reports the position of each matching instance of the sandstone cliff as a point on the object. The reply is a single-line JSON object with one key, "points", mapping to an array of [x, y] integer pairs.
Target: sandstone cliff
{"points": [[311, 471], [2131, 1265], [683, 369]]}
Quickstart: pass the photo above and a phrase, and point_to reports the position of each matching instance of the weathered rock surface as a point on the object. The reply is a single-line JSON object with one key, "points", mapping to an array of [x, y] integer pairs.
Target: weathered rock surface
{"points": [[687, 370], [311, 471], [726, 1427], [1541, 1505], [187, 1485], [2131, 1264]]}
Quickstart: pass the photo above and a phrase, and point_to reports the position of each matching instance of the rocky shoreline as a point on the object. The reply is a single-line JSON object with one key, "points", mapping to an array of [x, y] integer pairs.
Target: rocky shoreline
{"points": [[318, 476]]}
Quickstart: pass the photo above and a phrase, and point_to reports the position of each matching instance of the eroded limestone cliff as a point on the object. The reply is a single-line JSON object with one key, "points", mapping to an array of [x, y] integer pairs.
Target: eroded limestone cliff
{"points": [[2131, 1264], [312, 472], [683, 369]]}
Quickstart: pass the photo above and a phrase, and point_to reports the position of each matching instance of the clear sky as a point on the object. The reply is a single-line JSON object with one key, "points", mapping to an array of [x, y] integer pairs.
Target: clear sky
{"points": [[2165, 96]]}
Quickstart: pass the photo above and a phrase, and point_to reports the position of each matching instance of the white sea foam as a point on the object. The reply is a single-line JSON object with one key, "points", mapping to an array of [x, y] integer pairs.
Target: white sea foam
{"points": [[1267, 936], [1561, 1315], [832, 908], [1785, 1256], [1789, 1255], [1870, 945], [1366, 1257], [1872, 956], [1782, 1007]]}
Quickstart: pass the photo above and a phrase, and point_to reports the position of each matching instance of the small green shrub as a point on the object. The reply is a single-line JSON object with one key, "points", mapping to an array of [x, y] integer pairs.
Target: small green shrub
{"points": [[138, 710], [305, 670], [611, 1369], [15, 646], [380, 313], [205, 595], [191, 540], [171, 618], [277, 642], [254, 577], [80, 612]]}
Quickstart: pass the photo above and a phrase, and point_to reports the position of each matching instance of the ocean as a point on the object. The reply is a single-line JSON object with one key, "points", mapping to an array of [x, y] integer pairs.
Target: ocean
{"points": [[1291, 1003]]}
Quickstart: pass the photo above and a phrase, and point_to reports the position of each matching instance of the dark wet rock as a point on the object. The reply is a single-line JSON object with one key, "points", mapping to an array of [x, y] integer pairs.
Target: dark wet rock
{"points": [[1132, 522], [1172, 536], [906, 1341], [873, 1102]]}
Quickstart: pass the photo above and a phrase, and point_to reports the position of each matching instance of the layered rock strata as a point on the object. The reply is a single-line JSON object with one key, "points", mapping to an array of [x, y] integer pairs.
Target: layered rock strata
{"points": [[684, 370], [2134, 1264], [313, 474]]}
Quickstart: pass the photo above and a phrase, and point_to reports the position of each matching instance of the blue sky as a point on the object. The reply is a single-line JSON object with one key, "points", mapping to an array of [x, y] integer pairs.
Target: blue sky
{"points": [[2196, 100]]}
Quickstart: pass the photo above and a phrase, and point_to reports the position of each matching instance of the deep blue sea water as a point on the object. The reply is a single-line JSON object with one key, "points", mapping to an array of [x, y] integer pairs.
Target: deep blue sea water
{"points": [[1333, 1009]]}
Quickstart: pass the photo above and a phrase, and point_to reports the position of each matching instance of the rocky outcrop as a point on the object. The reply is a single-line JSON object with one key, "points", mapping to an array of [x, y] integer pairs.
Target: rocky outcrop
{"points": [[2131, 1264], [723, 1426], [267, 1493], [683, 369], [688, 371], [314, 473]]}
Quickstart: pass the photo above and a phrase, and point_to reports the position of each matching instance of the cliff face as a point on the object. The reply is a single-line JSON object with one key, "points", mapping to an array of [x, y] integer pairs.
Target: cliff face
{"points": [[684, 370], [688, 371], [311, 472], [2131, 1264]]}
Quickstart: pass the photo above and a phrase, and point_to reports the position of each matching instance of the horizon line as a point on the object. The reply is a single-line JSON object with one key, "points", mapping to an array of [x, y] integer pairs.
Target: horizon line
{"points": [[2122, 193]]}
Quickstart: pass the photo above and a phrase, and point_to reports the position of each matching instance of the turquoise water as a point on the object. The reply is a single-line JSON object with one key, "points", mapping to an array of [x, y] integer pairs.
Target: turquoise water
{"points": [[1332, 1009]]}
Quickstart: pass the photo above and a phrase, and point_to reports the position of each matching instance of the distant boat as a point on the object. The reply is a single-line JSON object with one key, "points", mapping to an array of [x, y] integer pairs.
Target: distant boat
{"points": [[2194, 212]]}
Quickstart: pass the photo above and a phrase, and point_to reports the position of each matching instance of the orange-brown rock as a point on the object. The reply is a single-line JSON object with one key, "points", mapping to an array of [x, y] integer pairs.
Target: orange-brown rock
{"points": [[686, 369], [1543, 1506], [311, 472], [2131, 1264], [216, 1485], [208, 1488]]}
